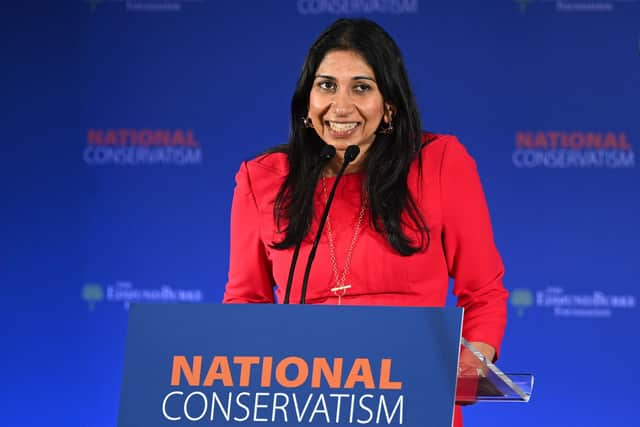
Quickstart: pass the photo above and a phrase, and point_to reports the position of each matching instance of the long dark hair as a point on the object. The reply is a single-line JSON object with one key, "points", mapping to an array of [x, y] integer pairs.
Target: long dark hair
{"points": [[388, 158]]}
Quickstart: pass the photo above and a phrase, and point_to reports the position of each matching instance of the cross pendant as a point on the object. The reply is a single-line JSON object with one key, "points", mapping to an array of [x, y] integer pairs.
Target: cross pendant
{"points": [[343, 288]]}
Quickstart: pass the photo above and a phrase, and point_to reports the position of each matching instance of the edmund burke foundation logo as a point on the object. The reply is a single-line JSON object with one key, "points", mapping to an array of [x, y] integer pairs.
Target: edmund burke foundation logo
{"points": [[589, 304], [144, 5], [135, 147], [123, 292], [578, 5], [574, 149], [346, 7]]}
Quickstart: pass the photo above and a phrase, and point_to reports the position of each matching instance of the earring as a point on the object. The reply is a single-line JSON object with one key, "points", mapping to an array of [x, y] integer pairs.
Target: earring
{"points": [[387, 130], [306, 121]]}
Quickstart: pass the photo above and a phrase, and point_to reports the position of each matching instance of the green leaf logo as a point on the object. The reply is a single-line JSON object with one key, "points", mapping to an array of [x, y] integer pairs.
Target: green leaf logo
{"points": [[93, 4], [92, 293], [521, 299], [523, 4]]}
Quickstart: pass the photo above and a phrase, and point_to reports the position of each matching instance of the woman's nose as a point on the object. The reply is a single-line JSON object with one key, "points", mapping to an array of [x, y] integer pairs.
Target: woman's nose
{"points": [[342, 104]]}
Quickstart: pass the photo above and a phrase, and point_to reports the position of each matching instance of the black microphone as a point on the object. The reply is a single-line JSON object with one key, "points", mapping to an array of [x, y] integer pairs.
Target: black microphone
{"points": [[326, 153], [349, 156]]}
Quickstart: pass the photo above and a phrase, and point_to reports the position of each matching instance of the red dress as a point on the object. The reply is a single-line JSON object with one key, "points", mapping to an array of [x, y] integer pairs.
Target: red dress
{"points": [[450, 196]]}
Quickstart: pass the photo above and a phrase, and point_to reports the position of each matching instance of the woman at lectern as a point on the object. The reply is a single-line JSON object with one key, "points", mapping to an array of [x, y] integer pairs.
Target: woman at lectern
{"points": [[408, 213]]}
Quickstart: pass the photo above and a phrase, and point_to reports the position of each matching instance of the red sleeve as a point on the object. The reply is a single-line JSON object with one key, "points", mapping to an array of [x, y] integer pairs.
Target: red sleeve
{"points": [[472, 258], [250, 278]]}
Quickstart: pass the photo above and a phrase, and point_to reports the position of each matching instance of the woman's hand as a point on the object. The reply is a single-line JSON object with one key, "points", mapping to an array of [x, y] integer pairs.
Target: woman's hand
{"points": [[469, 362], [470, 371]]}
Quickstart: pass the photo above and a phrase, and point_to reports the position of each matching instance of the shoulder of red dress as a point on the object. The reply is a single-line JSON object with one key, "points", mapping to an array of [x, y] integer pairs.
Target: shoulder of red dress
{"points": [[269, 164], [434, 146]]}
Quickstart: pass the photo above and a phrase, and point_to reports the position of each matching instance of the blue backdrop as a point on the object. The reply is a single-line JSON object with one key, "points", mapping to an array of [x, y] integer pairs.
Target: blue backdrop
{"points": [[124, 122]]}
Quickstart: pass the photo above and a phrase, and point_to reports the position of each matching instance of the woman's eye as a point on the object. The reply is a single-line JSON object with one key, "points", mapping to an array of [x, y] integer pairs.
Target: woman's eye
{"points": [[327, 85], [362, 87]]}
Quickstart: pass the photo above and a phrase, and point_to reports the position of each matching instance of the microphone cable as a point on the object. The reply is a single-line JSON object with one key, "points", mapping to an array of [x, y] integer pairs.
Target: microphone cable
{"points": [[326, 153], [350, 155]]}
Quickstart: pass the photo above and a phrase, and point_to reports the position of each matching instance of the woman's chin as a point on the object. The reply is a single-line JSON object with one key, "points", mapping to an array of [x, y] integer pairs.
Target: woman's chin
{"points": [[342, 144]]}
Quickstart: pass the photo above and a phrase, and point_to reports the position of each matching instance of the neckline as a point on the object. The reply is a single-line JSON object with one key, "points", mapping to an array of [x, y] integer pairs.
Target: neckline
{"points": [[347, 175]]}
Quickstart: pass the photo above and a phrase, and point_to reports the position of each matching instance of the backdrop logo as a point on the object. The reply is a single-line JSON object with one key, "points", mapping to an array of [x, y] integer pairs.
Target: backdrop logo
{"points": [[523, 4], [347, 7], [361, 390], [594, 304], [577, 5], [91, 294], [559, 149], [133, 147], [123, 292], [145, 5], [93, 4], [521, 299]]}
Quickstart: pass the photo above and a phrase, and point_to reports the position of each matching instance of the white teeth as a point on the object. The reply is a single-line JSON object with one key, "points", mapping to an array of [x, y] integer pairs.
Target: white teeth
{"points": [[342, 127]]}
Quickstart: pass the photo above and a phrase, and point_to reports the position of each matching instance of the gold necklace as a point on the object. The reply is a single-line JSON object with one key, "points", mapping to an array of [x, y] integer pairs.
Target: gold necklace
{"points": [[341, 287]]}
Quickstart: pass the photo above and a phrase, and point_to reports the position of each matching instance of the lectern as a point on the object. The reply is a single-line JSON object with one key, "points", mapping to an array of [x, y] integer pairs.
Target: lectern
{"points": [[280, 365]]}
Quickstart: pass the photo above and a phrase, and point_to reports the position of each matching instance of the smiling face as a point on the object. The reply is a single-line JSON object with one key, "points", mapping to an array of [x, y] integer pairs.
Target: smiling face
{"points": [[345, 103]]}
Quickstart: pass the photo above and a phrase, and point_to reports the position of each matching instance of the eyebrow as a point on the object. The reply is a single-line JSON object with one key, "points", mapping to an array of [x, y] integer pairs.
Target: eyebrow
{"points": [[325, 76]]}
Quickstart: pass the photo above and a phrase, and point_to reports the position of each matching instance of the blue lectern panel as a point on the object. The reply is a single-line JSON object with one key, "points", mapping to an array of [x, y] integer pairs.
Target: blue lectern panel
{"points": [[289, 365]]}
